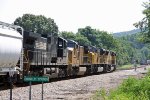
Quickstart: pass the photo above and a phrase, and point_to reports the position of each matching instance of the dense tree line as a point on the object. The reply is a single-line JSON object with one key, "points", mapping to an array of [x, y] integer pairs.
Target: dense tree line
{"points": [[134, 49], [93, 37]]}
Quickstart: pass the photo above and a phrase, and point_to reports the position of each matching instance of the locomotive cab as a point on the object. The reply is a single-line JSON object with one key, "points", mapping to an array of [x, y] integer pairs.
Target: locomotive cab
{"points": [[61, 46], [113, 58], [85, 55], [73, 58], [94, 55], [61, 51], [73, 53], [102, 54]]}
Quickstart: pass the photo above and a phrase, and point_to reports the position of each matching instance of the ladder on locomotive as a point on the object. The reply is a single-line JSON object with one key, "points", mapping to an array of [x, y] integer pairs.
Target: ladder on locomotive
{"points": [[26, 62]]}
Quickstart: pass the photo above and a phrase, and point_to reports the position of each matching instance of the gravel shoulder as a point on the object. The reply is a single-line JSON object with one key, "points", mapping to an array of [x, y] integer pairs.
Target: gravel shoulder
{"points": [[74, 89]]}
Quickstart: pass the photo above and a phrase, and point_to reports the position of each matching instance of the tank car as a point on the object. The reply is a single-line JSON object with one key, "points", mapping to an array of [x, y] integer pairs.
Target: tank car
{"points": [[11, 50]]}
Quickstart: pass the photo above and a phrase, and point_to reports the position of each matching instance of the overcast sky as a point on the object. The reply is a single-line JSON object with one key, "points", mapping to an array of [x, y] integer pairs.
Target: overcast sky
{"points": [[69, 15]]}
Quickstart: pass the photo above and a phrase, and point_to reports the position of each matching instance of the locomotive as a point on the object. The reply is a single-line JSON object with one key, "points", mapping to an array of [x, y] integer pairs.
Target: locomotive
{"points": [[27, 53]]}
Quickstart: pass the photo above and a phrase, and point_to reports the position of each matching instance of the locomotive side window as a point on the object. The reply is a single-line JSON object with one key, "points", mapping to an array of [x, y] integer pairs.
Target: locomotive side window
{"points": [[75, 49], [60, 47], [102, 51], [76, 46], [65, 44], [107, 52], [86, 50], [70, 45], [60, 44], [78, 54]]}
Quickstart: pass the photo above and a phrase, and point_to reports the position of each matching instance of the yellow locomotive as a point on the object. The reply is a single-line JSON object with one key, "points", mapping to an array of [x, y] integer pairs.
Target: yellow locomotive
{"points": [[89, 59]]}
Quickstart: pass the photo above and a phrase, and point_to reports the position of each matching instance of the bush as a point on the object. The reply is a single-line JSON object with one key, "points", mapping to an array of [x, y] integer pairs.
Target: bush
{"points": [[130, 89], [148, 73]]}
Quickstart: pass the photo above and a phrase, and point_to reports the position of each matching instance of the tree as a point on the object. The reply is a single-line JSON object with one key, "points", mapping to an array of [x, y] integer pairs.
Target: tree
{"points": [[101, 39], [82, 40], [144, 24], [67, 35], [37, 24]]}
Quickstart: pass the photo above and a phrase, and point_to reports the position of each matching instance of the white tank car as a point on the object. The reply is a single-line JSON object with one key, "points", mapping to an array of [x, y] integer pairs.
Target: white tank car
{"points": [[10, 48]]}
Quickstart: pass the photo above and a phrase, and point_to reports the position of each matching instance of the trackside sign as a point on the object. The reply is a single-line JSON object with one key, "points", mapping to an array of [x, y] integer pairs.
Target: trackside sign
{"points": [[36, 79]]}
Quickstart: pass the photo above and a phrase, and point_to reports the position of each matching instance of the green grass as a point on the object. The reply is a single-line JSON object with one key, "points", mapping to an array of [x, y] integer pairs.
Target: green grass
{"points": [[130, 89], [125, 66], [100, 95]]}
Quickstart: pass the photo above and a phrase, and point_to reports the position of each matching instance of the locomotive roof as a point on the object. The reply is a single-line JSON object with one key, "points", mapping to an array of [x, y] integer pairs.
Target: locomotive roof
{"points": [[72, 41], [102, 49], [62, 38]]}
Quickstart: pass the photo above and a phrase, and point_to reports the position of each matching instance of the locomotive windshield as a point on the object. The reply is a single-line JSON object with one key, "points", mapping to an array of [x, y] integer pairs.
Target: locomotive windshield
{"points": [[71, 44]]}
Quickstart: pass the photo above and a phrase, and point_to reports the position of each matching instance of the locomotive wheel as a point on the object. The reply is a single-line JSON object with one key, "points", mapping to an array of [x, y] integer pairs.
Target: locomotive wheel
{"points": [[75, 71], [62, 72], [108, 68], [104, 69], [95, 69], [88, 70], [114, 68], [92, 69]]}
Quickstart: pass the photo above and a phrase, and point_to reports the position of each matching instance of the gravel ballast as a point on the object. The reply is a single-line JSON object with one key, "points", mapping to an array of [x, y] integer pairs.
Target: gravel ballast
{"points": [[73, 89]]}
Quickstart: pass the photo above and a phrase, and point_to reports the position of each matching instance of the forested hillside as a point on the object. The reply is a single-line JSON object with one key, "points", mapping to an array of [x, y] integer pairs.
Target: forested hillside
{"points": [[120, 34], [134, 49]]}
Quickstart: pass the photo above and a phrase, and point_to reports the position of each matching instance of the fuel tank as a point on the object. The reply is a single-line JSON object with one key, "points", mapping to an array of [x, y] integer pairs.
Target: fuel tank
{"points": [[10, 47]]}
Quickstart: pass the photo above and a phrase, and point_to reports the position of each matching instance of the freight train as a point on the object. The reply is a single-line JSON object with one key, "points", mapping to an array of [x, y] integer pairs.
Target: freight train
{"points": [[25, 53]]}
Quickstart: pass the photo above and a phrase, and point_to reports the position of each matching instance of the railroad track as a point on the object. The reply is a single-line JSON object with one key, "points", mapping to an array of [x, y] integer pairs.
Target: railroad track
{"points": [[17, 85], [5, 86], [73, 89]]}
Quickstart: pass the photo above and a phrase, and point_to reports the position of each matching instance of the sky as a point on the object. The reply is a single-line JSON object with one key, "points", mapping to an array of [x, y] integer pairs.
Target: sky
{"points": [[69, 15]]}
